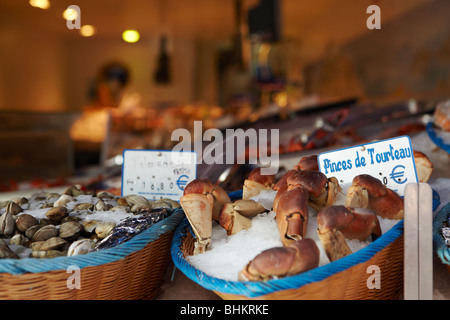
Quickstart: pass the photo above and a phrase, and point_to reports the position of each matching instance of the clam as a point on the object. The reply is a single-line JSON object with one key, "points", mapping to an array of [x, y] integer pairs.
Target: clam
{"points": [[32, 230], [90, 225], [70, 230], [121, 208], [57, 213], [21, 201], [133, 199], [46, 254], [104, 228], [25, 221], [19, 239], [46, 221], [100, 205], [105, 195], [54, 243], [122, 202], [135, 202], [73, 191], [63, 200], [165, 203], [7, 223], [83, 206], [36, 246], [81, 247], [6, 252], [13, 208], [45, 233]]}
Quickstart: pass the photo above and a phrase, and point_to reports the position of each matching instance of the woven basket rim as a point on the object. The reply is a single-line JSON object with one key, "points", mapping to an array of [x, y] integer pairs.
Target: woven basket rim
{"points": [[96, 258], [441, 249], [259, 288]]}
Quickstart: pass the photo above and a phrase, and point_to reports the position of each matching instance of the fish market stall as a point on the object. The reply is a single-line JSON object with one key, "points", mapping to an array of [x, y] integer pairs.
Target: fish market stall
{"points": [[256, 239]]}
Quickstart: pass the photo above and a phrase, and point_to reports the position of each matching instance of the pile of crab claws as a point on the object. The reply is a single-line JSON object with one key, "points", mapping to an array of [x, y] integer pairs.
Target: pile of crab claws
{"points": [[369, 192], [291, 209], [236, 216], [338, 223], [202, 202], [257, 182], [300, 256]]}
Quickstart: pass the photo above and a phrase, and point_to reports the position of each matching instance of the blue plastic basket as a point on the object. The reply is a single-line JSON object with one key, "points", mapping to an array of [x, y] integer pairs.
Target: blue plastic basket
{"points": [[441, 249], [347, 276]]}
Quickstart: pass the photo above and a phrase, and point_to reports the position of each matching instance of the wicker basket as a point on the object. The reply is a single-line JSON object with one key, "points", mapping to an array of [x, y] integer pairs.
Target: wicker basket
{"points": [[346, 278], [131, 270], [441, 249]]}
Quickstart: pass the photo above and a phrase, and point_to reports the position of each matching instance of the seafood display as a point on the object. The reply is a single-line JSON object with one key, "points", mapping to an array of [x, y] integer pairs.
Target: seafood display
{"points": [[301, 196], [48, 225]]}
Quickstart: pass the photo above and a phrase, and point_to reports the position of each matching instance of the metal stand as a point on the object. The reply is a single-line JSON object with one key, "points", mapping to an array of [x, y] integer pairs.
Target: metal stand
{"points": [[418, 259]]}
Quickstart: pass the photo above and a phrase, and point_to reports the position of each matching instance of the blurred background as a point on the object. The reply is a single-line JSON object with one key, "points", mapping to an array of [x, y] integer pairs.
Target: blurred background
{"points": [[76, 97]]}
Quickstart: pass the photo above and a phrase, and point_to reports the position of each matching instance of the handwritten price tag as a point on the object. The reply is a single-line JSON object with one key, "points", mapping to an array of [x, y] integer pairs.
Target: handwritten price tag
{"points": [[391, 161], [157, 174]]}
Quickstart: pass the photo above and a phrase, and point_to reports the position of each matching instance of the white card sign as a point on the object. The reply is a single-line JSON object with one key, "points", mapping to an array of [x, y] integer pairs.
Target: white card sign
{"points": [[157, 174], [391, 161]]}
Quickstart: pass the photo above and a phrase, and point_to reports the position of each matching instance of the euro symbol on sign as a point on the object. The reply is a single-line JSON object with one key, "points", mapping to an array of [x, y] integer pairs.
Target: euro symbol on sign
{"points": [[182, 181], [397, 176]]}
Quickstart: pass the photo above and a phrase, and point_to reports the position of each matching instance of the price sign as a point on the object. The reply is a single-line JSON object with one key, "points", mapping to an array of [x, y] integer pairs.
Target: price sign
{"points": [[157, 174], [391, 161]]}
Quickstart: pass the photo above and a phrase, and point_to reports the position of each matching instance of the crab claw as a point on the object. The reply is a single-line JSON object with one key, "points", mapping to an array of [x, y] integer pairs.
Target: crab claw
{"points": [[257, 182], [202, 202], [300, 256], [291, 208], [205, 187], [235, 217], [283, 180], [337, 223], [305, 163], [424, 166], [322, 190], [308, 163], [369, 192]]}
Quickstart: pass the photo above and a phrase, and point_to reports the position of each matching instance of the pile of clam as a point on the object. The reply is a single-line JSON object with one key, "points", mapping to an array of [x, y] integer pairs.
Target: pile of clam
{"points": [[67, 224]]}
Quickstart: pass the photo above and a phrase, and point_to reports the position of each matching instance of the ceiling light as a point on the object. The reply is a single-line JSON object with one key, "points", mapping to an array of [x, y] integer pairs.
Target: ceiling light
{"points": [[130, 36], [43, 4], [70, 14], [87, 30]]}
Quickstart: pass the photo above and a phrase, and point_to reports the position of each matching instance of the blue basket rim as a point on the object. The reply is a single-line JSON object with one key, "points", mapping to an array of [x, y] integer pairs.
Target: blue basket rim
{"points": [[260, 288], [433, 135], [96, 258]]}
